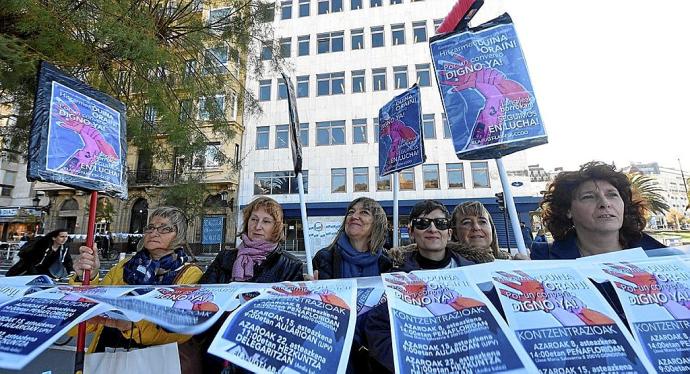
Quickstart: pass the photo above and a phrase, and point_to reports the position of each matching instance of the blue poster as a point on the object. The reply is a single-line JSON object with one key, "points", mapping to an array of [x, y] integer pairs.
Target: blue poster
{"points": [[212, 230], [78, 136], [400, 138], [486, 91]]}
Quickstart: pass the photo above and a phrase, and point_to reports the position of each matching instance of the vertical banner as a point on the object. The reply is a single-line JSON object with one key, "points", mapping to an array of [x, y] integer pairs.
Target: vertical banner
{"points": [[400, 136], [212, 230], [292, 327], [442, 323], [294, 125], [78, 135], [486, 91], [656, 300], [565, 324]]}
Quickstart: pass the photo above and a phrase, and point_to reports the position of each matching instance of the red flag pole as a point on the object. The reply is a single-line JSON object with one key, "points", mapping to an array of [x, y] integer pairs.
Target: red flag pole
{"points": [[81, 335]]}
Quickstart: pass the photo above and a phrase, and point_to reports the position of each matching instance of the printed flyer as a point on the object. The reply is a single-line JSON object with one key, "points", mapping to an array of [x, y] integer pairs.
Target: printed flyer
{"points": [[656, 299], [400, 136], [442, 323], [304, 327], [370, 293], [565, 324]]}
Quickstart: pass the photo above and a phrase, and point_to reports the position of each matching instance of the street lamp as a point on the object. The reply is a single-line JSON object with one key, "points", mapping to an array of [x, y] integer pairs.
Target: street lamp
{"points": [[36, 200]]}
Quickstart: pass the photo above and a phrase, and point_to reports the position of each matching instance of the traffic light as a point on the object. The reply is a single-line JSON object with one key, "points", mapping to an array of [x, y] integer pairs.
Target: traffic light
{"points": [[499, 200]]}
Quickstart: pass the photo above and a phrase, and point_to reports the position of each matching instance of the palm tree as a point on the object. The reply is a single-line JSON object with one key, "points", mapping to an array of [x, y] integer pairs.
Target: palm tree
{"points": [[647, 190]]}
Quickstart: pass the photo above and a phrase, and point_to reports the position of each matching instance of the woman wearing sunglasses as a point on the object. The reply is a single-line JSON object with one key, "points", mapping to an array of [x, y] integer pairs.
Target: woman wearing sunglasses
{"points": [[160, 260]]}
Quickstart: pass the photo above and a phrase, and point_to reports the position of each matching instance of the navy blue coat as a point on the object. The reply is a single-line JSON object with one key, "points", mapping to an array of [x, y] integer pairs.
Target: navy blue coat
{"points": [[567, 249]]}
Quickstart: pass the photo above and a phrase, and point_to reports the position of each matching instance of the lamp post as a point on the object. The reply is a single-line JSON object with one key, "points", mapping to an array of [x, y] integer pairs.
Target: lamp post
{"points": [[36, 201]]}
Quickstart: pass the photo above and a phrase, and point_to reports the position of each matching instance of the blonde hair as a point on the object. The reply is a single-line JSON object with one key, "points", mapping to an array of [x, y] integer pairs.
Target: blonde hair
{"points": [[271, 207], [474, 209]]}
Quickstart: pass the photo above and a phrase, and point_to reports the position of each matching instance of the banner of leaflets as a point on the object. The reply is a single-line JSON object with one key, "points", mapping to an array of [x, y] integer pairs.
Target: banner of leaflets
{"points": [[442, 323], [400, 135], [292, 327], [565, 324], [486, 91]]}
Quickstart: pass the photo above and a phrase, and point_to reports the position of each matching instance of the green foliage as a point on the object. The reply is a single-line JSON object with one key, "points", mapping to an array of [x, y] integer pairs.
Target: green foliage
{"points": [[647, 190], [188, 195]]}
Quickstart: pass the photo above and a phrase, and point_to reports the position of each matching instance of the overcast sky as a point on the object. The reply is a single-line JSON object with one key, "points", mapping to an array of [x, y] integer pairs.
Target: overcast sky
{"points": [[611, 77]]}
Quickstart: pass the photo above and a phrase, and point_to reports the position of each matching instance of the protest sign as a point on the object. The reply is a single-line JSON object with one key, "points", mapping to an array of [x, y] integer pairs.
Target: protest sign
{"points": [[565, 324], [442, 323], [486, 91], [27, 280], [370, 293], [400, 135], [212, 230], [292, 327], [656, 298]]}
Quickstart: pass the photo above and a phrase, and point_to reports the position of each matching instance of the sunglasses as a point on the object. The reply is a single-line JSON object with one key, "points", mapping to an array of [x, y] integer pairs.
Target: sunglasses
{"points": [[424, 223]]}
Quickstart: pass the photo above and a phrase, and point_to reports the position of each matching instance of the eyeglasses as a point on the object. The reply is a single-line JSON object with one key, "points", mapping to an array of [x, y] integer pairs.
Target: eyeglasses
{"points": [[163, 229], [424, 223]]}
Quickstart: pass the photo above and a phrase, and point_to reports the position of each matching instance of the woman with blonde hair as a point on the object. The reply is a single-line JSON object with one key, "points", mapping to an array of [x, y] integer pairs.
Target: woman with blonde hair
{"points": [[474, 228]]}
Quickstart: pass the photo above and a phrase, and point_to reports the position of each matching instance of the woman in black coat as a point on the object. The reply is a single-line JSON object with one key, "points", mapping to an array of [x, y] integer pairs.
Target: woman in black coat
{"points": [[47, 255]]}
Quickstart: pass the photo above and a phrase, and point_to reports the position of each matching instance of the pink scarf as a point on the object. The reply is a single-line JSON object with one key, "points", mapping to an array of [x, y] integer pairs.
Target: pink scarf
{"points": [[250, 253]]}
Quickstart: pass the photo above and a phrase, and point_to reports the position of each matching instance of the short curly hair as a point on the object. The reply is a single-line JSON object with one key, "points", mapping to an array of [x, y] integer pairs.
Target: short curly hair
{"points": [[560, 193], [271, 207]]}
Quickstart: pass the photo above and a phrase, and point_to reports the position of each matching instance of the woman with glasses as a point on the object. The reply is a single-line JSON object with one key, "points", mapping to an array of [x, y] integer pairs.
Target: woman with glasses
{"points": [[357, 250], [160, 260]]}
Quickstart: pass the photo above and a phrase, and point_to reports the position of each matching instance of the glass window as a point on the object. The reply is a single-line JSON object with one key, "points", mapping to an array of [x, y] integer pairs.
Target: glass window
{"points": [[303, 45], [355, 4], [430, 176], [324, 6], [233, 105], [375, 122], [428, 122], [359, 130], [400, 76], [262, 137], [377, 37], [215, 60], [219, 19], [330, 133], [266, 52], [304, 8], [285, 47], [456, 175], [336, 6], [358, 81], [382, 183], [393, 2], [406, 180], [330, 84], [186, 110], [357, 38], [337, 43], [360, 179], [213, 108], [303, 86], [189, 68], [423, 75], [282, 89], [304, 134], [282, 137], [446, 127], [286, 10], [480, 174], [437, 23], [330, 6], [379, 79], [329, 42], [375, 3], [398, 34], [265, 90], [419, 31], [279, 182], [150, 114], [266, 12], [210, 158], [338, 180]]}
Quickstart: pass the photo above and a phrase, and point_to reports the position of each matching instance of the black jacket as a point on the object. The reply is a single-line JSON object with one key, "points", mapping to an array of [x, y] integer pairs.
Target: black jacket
{"points": [[327, 261], [36, 260], [278, 266]]}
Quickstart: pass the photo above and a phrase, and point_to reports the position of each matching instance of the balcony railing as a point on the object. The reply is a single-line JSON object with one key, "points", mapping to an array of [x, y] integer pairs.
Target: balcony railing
{"points": [[141, 177]]}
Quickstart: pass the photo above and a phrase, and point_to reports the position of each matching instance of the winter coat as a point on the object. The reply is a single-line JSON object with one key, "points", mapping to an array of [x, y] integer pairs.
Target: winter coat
{"points": [[327, 261], [567, 249], [278, 266]]}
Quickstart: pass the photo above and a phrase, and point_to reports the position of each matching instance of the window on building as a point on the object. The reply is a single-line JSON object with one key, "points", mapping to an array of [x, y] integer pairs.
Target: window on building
{"points": [[6, 191], [338, 180], [382, 183], [357, 38], [210, 158], [286, 9], [379, 79], [150, 114], [215, 60], [329, 42], [355, 4], [330, 6], [303, 45], [375, 123], [360, 179], [186, 110], [430, 176], [233, 105], [189, 68], [358, 81], [236, 61], [480, 174], [211, 108], [303, 86], [419, 31], [423, 75], [285, 47], [400, 76], [282, 89], [279, 182], [266, 12], [262, 133], [304, 134], [393, 2], [359, 130], [304, 8], [406, 180], [219, 19], [265, 90], [330, 84], [237, 154], [446, 127], [282, 136], [330, 133], [437, 23], [375, 3], [398, 34], [429, 126], [456, 175], [377, 39], [266, 51]]}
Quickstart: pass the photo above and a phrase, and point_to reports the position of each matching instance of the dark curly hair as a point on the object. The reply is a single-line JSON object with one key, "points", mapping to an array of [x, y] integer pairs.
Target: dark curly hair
{"points": [[560, 193]]}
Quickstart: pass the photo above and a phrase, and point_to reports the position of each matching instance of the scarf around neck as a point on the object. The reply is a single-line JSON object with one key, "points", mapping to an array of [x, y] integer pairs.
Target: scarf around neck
{"points": [[249, 254], [356, 263], [141, 269]]}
